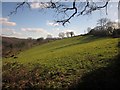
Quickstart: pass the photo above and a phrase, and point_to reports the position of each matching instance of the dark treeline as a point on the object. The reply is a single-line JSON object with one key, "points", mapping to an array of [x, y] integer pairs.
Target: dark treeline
{"points": [[105, 27]]}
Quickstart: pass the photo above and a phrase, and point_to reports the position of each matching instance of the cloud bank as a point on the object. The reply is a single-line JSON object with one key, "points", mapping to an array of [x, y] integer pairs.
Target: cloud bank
{"points": [[6, 22], [35, 30], [10, 32], [39, 5], [51, 23]]}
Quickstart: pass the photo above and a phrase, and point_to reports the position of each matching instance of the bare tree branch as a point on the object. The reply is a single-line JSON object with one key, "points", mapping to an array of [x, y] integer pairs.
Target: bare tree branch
{"points": [[87, 5], [19, 5], [97, 7], [62, 9], [66, 9], [91, 9]]}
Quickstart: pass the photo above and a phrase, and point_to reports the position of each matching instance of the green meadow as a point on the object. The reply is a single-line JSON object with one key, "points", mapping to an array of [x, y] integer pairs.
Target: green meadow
{"points": [[61, 63]]}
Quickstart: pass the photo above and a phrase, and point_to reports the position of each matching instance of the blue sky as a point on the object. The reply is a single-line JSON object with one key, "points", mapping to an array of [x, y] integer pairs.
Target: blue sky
{"points": [[37, 23]]}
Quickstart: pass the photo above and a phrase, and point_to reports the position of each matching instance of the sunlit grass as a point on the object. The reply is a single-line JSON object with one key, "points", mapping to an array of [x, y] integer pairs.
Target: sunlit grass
{"points": [[71, 57]]}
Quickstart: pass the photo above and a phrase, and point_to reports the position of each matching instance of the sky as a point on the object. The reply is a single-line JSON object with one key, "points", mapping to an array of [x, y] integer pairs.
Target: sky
{"points": [[34, 22]]}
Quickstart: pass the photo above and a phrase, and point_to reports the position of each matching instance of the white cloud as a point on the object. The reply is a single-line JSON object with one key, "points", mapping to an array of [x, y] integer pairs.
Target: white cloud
{"points": [[50, 23], [6, 22], [7, 31], [10, 32], [9, 23], [69, 30], [3, 19], [35, 30], [116, 20], [37, 5]]}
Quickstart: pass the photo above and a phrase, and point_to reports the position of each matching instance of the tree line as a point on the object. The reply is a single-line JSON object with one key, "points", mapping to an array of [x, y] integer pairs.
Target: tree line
{"points": [[105, 27], [68, 34]]}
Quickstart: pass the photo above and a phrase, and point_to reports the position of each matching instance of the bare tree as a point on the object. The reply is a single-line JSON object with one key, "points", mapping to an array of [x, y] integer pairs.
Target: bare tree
{"points": [[77, 8], [67, 34], [49, 36], [88, 29], [61, 34], [102, 22], [106, 28], [71, 33]]}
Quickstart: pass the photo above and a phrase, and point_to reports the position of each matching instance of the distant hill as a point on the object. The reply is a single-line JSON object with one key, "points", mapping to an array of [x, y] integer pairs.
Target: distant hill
{"points": [[12, 45]]}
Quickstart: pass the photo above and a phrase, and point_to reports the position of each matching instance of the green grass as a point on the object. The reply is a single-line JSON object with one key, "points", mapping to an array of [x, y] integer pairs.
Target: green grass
{"points": [[70, 50], [72, 57]]}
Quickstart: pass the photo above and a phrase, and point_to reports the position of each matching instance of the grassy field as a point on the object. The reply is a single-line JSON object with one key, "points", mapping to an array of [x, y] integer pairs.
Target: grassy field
{"points": [[59, 64]]}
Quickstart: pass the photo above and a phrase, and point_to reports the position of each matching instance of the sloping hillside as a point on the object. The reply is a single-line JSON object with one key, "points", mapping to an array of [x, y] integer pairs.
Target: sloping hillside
{"points": [[11, 45], [72, 48], [61, 63]]}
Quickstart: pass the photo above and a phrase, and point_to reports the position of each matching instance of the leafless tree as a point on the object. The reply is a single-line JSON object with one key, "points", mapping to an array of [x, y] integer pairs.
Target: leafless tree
{"points": [[67, 34], [49, 36], [106, 28], [61, 35], [75, 7], [103, 22], [71, 33], [88, 29]]}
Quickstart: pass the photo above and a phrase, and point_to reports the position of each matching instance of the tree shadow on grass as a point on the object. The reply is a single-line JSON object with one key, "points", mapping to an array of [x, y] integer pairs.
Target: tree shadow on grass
{"points": [[101, 79]]}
